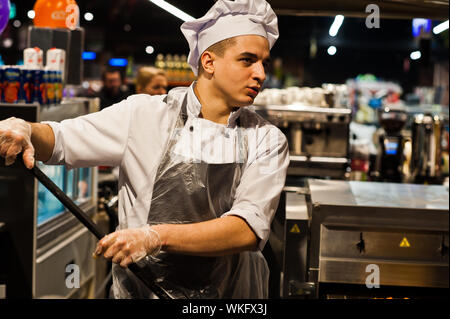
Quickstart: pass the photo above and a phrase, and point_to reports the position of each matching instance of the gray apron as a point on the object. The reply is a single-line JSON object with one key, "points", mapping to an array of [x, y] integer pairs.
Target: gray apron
{"points": [[189, 192]]}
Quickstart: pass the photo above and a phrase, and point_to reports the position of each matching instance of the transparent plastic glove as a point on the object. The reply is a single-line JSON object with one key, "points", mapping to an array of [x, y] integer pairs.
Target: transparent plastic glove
{"points": [[128, 246], [15, 137]]}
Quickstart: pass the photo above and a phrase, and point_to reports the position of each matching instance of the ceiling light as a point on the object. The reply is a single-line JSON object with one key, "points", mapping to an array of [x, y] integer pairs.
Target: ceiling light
{"points": [[118, 62], [415, 55], [89, 55], [173, 10], [332, 50], [149, 49], [7, 43], [440, 27], [336, 25], [17, 23], [31, 14], [88, 16]]}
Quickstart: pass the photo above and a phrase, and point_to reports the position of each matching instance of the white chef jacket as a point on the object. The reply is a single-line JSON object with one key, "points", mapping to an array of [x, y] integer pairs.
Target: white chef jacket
{"points": [[134, 133]]}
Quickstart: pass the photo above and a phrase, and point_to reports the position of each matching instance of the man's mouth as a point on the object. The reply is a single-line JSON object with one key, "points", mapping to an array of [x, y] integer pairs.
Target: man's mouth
{"points": [[253, 91]]}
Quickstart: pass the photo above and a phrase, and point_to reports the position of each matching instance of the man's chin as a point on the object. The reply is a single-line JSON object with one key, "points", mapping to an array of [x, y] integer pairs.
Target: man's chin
{"points": [[245, 102]]}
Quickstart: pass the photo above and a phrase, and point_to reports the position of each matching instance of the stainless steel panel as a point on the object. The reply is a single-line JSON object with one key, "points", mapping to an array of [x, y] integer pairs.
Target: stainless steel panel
{"points": [[298, 109], [351, 271], [295, 250], [312, 131], [296, 206], [321, 140], [383, 244], [334, 167], [51, 266]]}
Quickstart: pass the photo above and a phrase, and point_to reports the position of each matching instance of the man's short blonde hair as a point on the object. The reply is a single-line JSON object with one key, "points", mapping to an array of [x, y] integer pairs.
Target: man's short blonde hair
{"points": [[145, 76]]}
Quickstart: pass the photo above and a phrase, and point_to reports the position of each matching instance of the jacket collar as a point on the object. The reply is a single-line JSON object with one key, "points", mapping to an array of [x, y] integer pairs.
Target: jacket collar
{"points": [[194, 107]]}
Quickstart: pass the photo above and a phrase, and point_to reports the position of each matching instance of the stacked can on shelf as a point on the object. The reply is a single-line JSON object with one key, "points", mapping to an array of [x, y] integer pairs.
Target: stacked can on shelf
{"points": [[27, 85], [40, 92], [50, 86], [58, 87], [11, 84], [31, 82]]}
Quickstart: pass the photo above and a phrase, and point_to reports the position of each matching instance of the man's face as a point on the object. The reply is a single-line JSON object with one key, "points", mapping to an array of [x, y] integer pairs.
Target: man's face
{"points": [[240, 74], [112, 82]]}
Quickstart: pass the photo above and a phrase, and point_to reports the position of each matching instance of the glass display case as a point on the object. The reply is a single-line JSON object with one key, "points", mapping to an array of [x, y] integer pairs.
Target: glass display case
{"points": [[75, 183]]}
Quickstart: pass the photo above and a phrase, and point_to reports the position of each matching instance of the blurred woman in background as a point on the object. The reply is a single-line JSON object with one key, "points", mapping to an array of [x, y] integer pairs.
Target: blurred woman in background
{"points": [[150, 80]]}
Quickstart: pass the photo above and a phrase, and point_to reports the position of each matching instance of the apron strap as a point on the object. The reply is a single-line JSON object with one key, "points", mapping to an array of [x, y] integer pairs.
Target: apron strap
{"points": [[183, 111]]}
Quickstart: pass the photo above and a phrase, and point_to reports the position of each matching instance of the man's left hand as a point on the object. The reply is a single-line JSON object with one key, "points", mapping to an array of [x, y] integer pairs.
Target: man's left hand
{"points": [[128, 246]]}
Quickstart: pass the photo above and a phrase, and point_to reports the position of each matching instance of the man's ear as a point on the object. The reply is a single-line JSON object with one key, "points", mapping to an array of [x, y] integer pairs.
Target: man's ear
{"points": [[207, 60]]}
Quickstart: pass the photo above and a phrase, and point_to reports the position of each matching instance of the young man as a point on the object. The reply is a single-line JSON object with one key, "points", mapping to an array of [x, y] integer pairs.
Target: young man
{"points": [[200, 174]]}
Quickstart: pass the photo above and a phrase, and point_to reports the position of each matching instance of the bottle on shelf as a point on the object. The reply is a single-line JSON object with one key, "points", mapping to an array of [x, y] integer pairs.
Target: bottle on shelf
{"points": [[177, 70], [159, 63], [169, 67], [188, 75]]}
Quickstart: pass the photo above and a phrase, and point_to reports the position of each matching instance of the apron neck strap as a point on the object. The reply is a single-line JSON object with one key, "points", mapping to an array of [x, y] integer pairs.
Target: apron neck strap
{"points": [[183, 112]]}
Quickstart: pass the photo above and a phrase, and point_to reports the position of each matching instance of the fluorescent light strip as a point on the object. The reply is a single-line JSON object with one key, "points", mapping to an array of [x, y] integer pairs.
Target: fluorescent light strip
{"points": [[336, 25], [173, 10], [440, 27]]}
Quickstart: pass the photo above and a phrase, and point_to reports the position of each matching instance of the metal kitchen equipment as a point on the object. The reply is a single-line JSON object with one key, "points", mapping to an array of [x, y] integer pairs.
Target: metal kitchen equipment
{"points": [[401, 229], [318, 137], [391, 144], [427, 133]]}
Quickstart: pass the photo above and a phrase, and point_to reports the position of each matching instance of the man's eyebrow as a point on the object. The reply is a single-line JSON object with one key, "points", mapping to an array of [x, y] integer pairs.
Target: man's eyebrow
{"points": [[249, 55], [253, 56]]}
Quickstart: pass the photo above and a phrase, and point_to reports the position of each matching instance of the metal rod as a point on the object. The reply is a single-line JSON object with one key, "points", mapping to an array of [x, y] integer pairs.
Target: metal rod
{"points": [[66, 201]]}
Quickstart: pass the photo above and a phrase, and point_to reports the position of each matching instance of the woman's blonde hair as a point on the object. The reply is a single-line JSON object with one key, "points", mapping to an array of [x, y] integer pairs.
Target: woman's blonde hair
{"points": [[145, 76]]}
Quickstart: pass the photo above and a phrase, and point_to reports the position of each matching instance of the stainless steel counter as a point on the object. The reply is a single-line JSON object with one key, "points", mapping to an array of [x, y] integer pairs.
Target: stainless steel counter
{"points": [[374, 194]]}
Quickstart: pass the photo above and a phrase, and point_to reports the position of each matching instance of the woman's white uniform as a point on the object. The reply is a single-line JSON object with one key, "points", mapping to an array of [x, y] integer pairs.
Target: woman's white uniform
{"points": [[159, 152]]}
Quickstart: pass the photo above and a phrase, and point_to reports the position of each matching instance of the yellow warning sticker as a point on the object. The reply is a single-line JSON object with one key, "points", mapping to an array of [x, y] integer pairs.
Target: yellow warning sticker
{"points": [[295, 229], [404, 243]]}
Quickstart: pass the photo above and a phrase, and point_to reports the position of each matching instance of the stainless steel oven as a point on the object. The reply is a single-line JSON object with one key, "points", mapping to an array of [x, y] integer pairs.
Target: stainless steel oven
{"points": [[367, 240]]}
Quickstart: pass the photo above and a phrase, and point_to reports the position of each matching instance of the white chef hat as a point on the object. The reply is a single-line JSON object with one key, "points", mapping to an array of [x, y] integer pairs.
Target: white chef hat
{"points": [[227, 19]]}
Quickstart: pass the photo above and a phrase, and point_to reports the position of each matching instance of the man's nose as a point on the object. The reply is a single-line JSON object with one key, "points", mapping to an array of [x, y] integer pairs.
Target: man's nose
{"points": [[259, 73]]}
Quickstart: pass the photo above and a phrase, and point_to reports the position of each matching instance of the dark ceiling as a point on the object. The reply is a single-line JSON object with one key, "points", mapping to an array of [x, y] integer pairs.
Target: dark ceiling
{"points": [[125, 27]]}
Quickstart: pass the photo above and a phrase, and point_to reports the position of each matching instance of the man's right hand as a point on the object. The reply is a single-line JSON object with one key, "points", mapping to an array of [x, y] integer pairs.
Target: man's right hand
{"points": [[15, 137]]}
